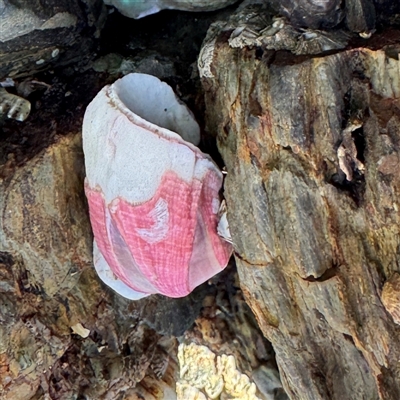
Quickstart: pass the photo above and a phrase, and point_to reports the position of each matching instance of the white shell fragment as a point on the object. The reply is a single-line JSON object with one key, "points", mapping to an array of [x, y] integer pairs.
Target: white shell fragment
{"points": [[223, 225], [153, 195], [13, 106], [142, 8], [80, 330]]}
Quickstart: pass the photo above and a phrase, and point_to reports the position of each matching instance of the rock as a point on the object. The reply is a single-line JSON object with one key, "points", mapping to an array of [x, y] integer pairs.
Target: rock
{"points": [[314, 244]]}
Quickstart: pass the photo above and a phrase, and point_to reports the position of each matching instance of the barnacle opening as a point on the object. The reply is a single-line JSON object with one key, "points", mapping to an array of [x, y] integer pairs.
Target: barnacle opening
{"points": [[155, 101]]}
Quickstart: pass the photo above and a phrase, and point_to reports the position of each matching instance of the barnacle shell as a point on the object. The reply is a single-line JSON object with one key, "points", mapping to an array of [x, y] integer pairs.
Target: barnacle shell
{"points": [[14, 106], [140, 9], [153, 196], [391, 297], [110, 279]]}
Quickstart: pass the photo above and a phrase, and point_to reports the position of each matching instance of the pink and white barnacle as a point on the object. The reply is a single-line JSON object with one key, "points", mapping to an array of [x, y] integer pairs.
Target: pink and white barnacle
{"points": [[153, 195]]}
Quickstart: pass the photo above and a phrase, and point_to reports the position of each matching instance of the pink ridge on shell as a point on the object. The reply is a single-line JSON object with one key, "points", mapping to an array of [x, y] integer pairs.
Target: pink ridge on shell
{"points": [[109, 242], [165, 236]]}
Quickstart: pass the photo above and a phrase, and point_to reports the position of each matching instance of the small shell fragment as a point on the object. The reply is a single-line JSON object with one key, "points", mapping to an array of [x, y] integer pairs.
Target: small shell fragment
{"points": [[80, 330], [8, 82], [223, 225], [13, 106], [391, 297]]}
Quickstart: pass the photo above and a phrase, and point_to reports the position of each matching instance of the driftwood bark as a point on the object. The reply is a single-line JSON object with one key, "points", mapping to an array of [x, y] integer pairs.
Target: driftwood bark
{"points": [[311, 147]]}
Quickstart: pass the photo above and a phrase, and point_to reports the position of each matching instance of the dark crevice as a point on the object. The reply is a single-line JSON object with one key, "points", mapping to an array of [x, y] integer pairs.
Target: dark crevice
{"points": [[259, 53], [288, 148], [355, 188], [126, 350], [255, 162], [328, 274], [349, 339], [6, 259], [360, 143], [319, 315], [256, 264]]}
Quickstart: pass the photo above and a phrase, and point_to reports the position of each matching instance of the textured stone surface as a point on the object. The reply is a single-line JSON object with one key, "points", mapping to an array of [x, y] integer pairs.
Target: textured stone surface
{"points": [[311, 146]]}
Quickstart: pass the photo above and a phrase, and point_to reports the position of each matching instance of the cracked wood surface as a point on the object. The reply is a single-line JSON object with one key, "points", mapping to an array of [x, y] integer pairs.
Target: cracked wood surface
{"points": [[311, 147]]}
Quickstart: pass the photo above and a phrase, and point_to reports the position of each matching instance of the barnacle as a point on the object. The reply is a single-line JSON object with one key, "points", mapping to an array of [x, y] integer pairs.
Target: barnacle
{"points": [[280, 35], [153, 195], [251, 27]]}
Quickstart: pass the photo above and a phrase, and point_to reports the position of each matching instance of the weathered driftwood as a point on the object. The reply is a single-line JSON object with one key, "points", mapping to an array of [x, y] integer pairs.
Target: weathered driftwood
{"points": [[311, 147]]}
